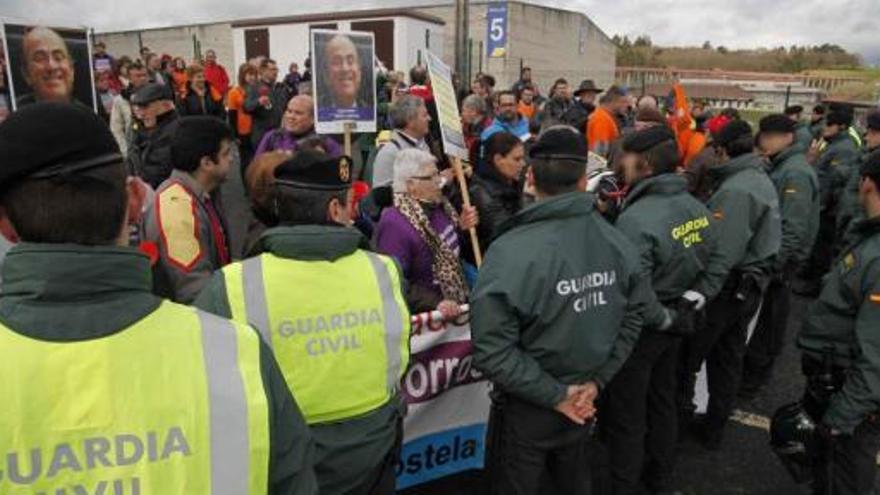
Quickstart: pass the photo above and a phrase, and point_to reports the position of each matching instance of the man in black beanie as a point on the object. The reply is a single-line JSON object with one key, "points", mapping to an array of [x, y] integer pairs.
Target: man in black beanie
{"points": [[802, 135], [673, 234], [850, 211], [817, 121], [798, 189], [841, 355], [746, 208], [553, 332], [90, 351], [833, 166]]}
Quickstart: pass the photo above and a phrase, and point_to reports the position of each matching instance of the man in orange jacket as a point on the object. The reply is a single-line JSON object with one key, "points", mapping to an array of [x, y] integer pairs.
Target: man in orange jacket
{"points": [[602, 128]]}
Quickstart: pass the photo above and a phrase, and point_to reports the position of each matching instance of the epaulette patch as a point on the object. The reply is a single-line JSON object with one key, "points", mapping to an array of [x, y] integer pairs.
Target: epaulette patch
{"points": [[178, 226]]}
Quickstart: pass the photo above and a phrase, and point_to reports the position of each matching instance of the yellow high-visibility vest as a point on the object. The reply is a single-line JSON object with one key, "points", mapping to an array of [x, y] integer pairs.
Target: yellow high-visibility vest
{"points": [[174, 404], [339, 329]]}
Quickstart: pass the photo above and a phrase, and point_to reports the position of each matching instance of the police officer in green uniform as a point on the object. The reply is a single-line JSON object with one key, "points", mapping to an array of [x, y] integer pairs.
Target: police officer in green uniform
{"points": [[833, 167], [552, 331], [746, 208], [841, 354], [672, 232], [798, 189], [850, 212], [803, 138], [817, 121], [335, 316], [106, 386]]}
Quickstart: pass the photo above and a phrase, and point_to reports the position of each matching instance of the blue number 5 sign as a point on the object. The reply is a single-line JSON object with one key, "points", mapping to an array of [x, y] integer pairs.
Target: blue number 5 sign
{"points": [[496, 29]]}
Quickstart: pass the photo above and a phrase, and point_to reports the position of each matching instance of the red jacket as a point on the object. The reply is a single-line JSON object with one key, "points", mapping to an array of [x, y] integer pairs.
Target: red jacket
{"points": [[216, 75]]}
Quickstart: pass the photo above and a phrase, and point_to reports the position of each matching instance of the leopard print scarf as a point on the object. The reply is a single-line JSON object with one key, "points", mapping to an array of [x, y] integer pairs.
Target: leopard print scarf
{"points": [[445, 263]]}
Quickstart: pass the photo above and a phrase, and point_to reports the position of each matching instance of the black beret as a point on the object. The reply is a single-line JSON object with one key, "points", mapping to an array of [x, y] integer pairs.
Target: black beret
{"points": [[839, 115], [776, 124], [49, 139], [733, 131], [560, 143], [872, 121], [871, 165], [315, 170], [150, 92], [641, 141], [794, 110]]}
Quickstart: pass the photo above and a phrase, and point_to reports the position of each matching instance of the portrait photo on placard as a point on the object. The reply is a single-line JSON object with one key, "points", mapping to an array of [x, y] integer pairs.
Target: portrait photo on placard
{"points": [[344, 81], [49, 64]]}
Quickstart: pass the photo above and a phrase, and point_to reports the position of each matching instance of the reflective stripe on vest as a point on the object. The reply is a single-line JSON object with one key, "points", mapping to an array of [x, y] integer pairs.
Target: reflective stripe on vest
{"points": [[173, 404], [322, 321]]}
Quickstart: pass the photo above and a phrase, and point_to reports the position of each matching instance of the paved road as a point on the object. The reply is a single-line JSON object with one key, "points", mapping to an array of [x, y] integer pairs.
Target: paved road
{"points": [[744, 465]]}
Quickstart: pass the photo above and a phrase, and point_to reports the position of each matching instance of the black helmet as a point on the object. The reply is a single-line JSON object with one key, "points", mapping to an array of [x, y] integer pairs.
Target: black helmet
{"points": [[794, 439]]}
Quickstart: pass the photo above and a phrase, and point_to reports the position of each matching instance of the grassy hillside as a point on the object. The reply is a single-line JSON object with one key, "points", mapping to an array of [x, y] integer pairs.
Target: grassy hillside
{"points": [[641, 52]]}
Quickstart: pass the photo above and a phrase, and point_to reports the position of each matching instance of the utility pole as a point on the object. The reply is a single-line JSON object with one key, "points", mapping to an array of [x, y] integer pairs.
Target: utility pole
{"points": [[461, 36]]}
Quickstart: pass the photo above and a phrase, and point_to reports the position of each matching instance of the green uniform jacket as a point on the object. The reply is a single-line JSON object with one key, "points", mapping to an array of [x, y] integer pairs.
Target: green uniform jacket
{"points": [[366, 438], [846, 318], [803, 137], [746, 207], [817, 127], [673, 234], [559, 301], [833, 167], [798, 188], [851, 212], [68, 293]]}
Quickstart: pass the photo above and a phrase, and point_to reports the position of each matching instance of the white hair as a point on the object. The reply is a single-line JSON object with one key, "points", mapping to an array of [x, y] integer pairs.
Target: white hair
{"points": [[407, 164]]}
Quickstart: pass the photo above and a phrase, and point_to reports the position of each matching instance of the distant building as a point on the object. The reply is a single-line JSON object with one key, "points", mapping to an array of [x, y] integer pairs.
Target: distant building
{"points": [[713, 95], [767, 91]]}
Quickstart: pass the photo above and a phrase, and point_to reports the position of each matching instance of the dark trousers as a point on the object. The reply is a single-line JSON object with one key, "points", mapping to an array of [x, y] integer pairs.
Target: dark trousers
{"points": [[383, 480], [768, 339], [639, 419], [245, 155], [532, 450], [823, 251], [722, 345], [850, 463]]}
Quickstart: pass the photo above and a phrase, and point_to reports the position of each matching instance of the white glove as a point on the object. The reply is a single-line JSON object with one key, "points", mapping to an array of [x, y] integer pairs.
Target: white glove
{"points": [[667, 320], [696, 298]]}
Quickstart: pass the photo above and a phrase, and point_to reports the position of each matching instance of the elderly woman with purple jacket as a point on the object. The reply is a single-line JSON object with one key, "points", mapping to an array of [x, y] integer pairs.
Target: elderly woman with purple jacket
{"points": [[422, 233]]}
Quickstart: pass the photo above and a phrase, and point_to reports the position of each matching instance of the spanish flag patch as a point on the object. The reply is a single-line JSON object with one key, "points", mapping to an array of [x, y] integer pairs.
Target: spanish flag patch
{"points": [[790, 190], [718, 215]]}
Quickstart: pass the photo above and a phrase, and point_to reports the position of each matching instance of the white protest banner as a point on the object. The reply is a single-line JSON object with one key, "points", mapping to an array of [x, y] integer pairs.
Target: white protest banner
{"points": [[445, 428]]}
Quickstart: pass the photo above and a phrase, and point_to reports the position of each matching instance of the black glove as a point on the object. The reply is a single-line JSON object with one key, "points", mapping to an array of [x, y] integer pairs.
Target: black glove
{"points": [[685, 321]]}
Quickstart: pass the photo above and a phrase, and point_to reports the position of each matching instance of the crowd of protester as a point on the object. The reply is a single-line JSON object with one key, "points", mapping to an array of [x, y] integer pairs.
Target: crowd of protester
{"points": [[406, 199]]}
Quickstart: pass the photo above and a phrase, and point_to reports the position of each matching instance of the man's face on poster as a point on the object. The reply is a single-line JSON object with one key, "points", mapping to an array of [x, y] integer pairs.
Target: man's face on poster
{"points": [[48, 68], [344, 70]]}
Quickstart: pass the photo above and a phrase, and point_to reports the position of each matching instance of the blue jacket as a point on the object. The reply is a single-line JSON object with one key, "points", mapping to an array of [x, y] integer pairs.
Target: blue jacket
{"points": [[520, 129]]}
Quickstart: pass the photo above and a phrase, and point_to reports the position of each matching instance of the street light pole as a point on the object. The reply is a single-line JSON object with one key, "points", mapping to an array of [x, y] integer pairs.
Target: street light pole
{"points": [[461, 36]]}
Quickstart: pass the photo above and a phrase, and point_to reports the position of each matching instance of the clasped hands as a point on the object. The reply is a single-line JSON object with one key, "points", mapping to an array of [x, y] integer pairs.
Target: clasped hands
{"points": [[578, 405]]}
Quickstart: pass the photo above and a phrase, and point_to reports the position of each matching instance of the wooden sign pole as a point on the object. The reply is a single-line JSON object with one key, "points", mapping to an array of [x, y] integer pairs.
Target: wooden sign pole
{"points": [[347, 127], [466, 199]]}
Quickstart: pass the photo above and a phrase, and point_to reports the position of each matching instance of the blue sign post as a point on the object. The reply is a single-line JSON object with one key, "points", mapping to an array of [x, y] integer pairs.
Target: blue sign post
{"points": [[496, 30]]}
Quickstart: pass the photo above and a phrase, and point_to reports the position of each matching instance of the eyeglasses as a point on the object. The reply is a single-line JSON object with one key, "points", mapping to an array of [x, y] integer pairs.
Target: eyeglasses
{"points": [[433, 177]]}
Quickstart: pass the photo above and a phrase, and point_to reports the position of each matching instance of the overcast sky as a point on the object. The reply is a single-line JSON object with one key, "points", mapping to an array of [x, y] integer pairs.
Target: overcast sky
{"points": [[853, 24]]}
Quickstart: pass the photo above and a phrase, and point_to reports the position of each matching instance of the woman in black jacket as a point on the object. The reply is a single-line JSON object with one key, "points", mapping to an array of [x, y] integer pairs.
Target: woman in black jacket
{"points": [[201, 98], [497, 194]]}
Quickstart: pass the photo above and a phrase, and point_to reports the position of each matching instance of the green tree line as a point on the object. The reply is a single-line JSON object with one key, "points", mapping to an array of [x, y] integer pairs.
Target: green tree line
{"points": [[641, 52]]}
